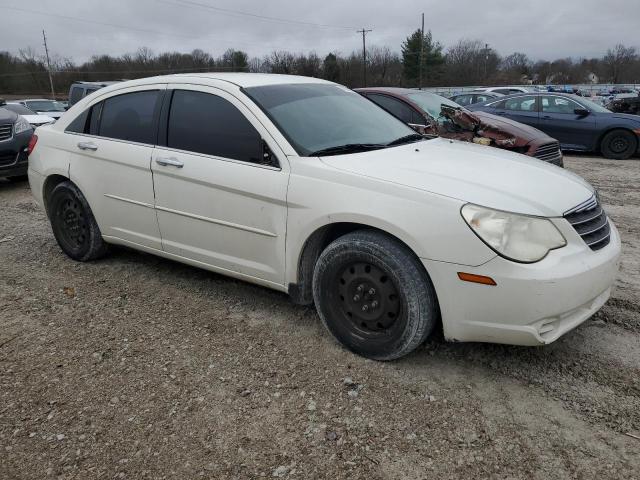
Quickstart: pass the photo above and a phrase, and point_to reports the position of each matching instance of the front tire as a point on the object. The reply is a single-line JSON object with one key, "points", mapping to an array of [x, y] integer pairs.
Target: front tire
{"points": [[73, 223], [619, 144], [374, 296]]}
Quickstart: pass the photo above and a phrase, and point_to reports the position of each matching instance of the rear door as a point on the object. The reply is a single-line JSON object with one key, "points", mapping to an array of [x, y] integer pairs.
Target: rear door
{"points": [[559, 120], [523, 109], [110, 161], [220, 184]]}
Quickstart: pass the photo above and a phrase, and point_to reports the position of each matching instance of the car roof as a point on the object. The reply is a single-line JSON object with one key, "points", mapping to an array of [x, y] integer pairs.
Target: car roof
{"points": [[243, 80]]}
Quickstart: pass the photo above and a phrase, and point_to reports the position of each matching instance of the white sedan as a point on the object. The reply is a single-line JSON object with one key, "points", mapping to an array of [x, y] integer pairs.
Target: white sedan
{"points": [[306, 187]]}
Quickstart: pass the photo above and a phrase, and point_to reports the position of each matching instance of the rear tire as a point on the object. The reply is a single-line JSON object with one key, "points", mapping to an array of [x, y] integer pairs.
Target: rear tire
{"points": [[619, 144], [73, 223], [374, 296]]}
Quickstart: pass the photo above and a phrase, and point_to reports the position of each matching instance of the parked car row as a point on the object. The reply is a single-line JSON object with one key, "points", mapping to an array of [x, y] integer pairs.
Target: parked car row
{"points": [[576, 122], [432, 114], [309, 188]]}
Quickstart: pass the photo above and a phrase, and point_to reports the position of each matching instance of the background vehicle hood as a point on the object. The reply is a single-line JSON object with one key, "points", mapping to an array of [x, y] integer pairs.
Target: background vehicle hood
{"points": [[472, 173], [7, 116], [38, 119], [516, 129]]}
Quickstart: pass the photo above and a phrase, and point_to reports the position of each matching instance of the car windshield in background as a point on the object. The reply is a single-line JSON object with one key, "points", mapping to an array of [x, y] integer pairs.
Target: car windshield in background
{"points": [[19, 109], [45, 106], [594, 107], [322, 119], [431, 103]]}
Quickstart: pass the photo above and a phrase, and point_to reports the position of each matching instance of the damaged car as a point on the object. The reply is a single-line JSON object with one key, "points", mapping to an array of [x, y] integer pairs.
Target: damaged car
{"points": [[434, 115], [625, 103]]}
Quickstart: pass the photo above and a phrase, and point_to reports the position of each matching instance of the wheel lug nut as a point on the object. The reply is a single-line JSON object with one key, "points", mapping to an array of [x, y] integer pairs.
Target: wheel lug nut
{"points": [[374, 304], [356, 298], [360, 288], [372, 291], [365, 308]]}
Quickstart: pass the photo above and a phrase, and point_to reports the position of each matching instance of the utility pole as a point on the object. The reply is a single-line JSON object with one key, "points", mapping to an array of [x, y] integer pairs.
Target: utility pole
{"points": [[364, 55], [421, 53], [46, 51], [486, 60]]}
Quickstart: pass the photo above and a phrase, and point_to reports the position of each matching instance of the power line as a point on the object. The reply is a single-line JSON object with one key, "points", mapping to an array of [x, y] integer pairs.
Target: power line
{"points": [[229, 11], [129, 27]]}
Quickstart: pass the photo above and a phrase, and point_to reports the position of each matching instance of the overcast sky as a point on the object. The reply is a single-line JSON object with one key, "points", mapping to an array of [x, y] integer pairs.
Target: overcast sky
{"points": [[543, 29]]}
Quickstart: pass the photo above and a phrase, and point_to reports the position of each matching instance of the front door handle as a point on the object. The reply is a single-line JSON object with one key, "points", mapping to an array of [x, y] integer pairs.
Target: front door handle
{"points": [[166, 161], [87, 146]]}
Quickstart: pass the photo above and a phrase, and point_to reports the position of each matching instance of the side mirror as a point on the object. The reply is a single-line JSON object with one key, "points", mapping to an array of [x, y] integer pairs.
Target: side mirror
{"points": [[582, 112]]}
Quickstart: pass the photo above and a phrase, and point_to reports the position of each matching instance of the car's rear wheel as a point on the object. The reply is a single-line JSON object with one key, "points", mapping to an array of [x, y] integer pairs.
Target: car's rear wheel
{"points": [[619, 144], [73, 223], [374, 296]]}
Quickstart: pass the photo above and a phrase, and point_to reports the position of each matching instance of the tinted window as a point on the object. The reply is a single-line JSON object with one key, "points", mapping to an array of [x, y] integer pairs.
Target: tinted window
{"points": [[78, 125], [393, 106], [558, 105], [75, 95], [520, 104], [130, 117], [483, 98], [204, 123]]}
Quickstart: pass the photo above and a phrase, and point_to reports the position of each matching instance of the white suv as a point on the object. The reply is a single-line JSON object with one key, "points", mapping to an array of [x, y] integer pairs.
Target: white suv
{"points": [[306, 187]]}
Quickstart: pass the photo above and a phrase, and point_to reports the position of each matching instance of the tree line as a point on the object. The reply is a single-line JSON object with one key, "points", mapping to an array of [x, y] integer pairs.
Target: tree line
{"points": [[422, 61]]}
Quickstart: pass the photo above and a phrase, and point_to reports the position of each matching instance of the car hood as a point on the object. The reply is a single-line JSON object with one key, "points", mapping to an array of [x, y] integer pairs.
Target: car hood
{"points": [[517, 129], [472, 173], [38, 119], [7, 116], [55, 115]]}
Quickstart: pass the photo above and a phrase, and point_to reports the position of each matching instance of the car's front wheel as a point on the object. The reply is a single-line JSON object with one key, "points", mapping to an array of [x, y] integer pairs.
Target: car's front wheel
{"points": [[619, 144], [73, 223], [374, 296]]}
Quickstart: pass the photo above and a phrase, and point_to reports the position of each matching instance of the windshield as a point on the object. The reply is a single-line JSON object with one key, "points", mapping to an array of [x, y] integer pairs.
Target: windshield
{"points": [[44, 106], [317, 117], [594, 107], [431, 103], [19, 109]]}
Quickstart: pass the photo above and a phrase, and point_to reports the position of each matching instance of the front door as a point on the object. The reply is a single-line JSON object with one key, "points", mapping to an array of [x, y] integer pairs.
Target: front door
{"points": [[559, 120], [221, 185]]}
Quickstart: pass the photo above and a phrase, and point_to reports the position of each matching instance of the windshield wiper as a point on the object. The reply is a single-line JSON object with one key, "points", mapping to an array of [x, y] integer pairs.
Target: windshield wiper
{"points": [[413, 137], [347, 148]]}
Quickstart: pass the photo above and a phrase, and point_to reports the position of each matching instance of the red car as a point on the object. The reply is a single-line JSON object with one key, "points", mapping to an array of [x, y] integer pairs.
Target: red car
{"points": [[432, 114]]}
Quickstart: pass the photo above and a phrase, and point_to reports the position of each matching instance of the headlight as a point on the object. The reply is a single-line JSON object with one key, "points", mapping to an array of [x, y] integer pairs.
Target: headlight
{"points": [[21, 125], [516, 237]]}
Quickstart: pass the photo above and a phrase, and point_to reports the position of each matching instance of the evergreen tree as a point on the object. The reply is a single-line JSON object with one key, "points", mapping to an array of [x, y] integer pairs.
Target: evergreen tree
{"points": [[432, 58]]}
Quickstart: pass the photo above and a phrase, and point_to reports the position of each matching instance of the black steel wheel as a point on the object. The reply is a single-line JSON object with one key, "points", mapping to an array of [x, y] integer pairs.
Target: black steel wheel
{"points": [[374, 296], [619, 144], [73, 224]]}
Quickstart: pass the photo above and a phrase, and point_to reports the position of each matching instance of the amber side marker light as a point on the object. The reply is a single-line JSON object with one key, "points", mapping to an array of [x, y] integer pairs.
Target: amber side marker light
{"points": [[470, 277]]}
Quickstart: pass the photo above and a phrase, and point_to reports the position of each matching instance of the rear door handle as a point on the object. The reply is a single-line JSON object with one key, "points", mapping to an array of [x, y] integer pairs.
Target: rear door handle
{"points": [[87, 146], [172, 161]]}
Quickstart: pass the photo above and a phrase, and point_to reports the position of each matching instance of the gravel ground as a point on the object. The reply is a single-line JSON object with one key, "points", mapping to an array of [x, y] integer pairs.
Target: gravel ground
{"points": [[138, 367]]}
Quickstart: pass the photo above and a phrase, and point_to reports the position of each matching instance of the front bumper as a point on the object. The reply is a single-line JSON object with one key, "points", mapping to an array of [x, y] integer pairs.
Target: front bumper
{"points": [[532, 304], [13, 155]]}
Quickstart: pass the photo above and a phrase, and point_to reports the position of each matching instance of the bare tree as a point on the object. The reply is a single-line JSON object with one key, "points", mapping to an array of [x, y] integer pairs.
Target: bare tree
{"points": [[617, 62]]}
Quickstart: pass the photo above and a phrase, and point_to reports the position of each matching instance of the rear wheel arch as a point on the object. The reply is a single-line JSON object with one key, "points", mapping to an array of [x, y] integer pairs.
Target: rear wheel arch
{"points": [[301, 291], [51, 182]]}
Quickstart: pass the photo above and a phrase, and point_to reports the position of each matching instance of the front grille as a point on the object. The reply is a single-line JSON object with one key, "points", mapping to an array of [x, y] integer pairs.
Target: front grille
{"points": [[5, 131], [548, 152], [590, 221]]}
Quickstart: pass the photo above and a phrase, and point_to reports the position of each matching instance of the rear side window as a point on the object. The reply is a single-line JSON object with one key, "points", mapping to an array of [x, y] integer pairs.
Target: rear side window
{"points": [[204, 123], [521, 104], [75, 95], [463, 100], [393, 106], [131, 116], [79, 124]]}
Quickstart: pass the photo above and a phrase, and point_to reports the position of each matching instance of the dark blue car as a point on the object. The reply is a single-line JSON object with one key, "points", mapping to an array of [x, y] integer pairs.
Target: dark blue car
{"points": [[577, 123]]}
